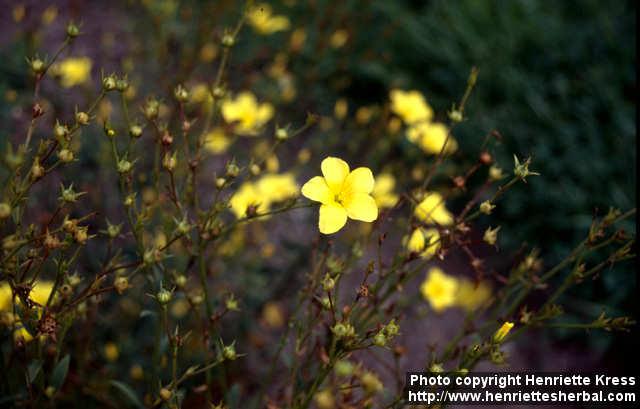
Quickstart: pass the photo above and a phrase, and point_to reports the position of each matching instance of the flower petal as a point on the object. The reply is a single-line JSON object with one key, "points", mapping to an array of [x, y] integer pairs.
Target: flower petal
{"points": [[332, 218], [335, 171], [359, 181], [317, 190], [361, 206]]}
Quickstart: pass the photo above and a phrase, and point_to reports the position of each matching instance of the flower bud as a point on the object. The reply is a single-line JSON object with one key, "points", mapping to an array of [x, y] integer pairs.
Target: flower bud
{"points": [[65, 155], [135, 131], [181, 280], [124, 166], [72, 30], [380, 340], [282, 134], [392, 329], [486, 207], [109, 83], [60, 131], [220, 182], [5, 210], [455, 115], [82, 118], [328, 283], [165, 394], [169, 161], [164, 297], [254, 169], [122, 84], [228, 40], [491, 235], [229, 352], [495, 173], [151, 109], [121, 284], [232, 170], [502, 332], [37, 65], [81, 235], [181, 94]]}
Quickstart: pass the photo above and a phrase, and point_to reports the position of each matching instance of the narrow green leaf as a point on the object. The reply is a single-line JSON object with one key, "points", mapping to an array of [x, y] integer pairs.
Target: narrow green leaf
{"points": [[128, 393], [60, 373], [34, 369]]}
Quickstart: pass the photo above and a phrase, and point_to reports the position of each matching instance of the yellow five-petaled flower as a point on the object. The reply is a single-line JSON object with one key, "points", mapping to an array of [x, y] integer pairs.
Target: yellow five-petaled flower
{"points": [[342, 193]]}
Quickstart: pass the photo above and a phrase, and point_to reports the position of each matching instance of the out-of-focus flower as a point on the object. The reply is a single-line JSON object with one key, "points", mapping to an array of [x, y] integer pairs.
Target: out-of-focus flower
{"points": [[248, 115], [339, 38], [343, 193], [297, 40], [371, 383], [432, 209], [208, 52], [216, 141], [262, 19], [439, 289], [341, 108], [180, 308], [431, 138], [324, 399], [273, 315], [73, 71], [426, 242], [49, 15], [383, 190], [261, 194], [410, 106], [471, 295], [111, 352], [18, 13], [5, 297], [278, 187], [364, 115]]}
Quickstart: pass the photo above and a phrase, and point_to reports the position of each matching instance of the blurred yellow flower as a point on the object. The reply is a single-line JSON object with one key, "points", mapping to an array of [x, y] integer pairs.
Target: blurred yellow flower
{"points": [[261, 194], [208, 52], [426, 242], [273, 315], [324, 399], [383, 190], [410, 106], [73, 71], [111, 352], [261, 18], [431, 137], [339, 38], [341, 108], [297, 40], [432, 209], [49, 15], [6, 303], [249, 116], [41, 291], [216, 141], [278, 187], [471, 295], [439, 289], [342, 193], [248, 195]]}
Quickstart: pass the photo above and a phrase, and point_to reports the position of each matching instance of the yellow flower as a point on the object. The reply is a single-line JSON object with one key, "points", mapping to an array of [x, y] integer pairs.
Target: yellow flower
{"points": [[424, 241], [248, 115], [343, 193], [277, 187], [339, 38], [248, 195], [260, 17], [73, 71], [439, 289], [471, 295], [273, 315], [41, 291], [341, 109], [502, 332], [432, 209], [383, 190], [6, 303], [111, 352], [324, 399], [431, 137], [216, 141], [410, 106]]}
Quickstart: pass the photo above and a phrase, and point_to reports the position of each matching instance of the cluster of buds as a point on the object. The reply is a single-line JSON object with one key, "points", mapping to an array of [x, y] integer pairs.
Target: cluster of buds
{"points": [[386, 333]]}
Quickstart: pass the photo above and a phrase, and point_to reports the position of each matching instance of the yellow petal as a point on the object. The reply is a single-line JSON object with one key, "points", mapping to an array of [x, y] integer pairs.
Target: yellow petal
{"points": [[317, 190], [359, 181], [265, 112], [332, 218], [361, 206], [335, 172]]}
